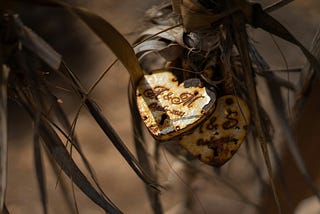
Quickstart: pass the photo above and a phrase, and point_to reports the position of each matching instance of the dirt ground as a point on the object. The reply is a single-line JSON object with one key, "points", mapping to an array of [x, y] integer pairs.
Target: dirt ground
{"points": [[116, 178]]}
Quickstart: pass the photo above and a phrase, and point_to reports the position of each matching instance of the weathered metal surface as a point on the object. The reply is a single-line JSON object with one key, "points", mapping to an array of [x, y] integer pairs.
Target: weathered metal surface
{"points": [[169, 108], [217, 139]]}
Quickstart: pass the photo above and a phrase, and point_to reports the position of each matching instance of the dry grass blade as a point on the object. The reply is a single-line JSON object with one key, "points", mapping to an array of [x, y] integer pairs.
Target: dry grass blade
{"points": [[69, 135], [63, 184], [37, 101], [37, 45], [277, 80], [306, 127], [107, 128], [34, 104], [3, 133], [237, 194], [266, 22], [107, 33], [40, 171], [123, 50], [283, 121], [117, 142], [36, 145], [114, 40], [241, 41], [252, 148], [277, 5], [154, 196], [60, 154], [33, 99], [5, 210], [308, 78]]}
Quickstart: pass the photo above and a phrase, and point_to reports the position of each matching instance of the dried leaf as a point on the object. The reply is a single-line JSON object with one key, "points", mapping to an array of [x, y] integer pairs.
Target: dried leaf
{"points": [[143, 157], [62, 157], [276, 5], [107, 128], [39, 170], [161, 31], [64, 185], [152, 45], [37, 102], [5, 210], [62, 118], [269, 24], [282, 120], [241, 41], [266, 22], [107, 33], [57, 149], [37, 45], [171, 52], [114, 40], [117, 142], [308, 78], [4, 74], [277, 80]]}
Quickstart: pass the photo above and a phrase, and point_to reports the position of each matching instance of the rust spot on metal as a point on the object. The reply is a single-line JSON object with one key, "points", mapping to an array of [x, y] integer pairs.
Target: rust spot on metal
{"points": [[215, 151], [229, 101], [163, 119], [200, 142]]}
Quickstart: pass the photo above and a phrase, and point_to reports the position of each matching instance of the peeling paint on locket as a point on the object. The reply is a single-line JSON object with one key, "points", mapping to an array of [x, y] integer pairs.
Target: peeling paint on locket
{"points": [[168, 108], [216, 140]]}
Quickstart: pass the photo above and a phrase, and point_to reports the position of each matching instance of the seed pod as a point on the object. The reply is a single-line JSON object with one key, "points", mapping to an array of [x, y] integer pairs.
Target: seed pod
{"points": [[217, 139]]}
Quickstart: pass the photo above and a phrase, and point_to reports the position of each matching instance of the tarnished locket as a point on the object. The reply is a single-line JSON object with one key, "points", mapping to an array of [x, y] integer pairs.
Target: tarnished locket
{"points": [[181, 101], [170, 109]]}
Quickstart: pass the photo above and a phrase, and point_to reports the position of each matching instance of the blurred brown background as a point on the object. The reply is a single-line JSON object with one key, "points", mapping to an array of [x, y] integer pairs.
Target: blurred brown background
{"points": [[88, 57]]}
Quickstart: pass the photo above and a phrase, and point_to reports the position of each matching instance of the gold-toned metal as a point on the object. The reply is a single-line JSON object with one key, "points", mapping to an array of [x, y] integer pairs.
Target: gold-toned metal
{"points": [[169, 108], [217, 139]]}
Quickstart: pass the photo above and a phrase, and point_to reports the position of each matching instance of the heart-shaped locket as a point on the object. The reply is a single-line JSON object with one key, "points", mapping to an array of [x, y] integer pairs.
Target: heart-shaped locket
{"points": [[169, 108], [217, 139]]}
